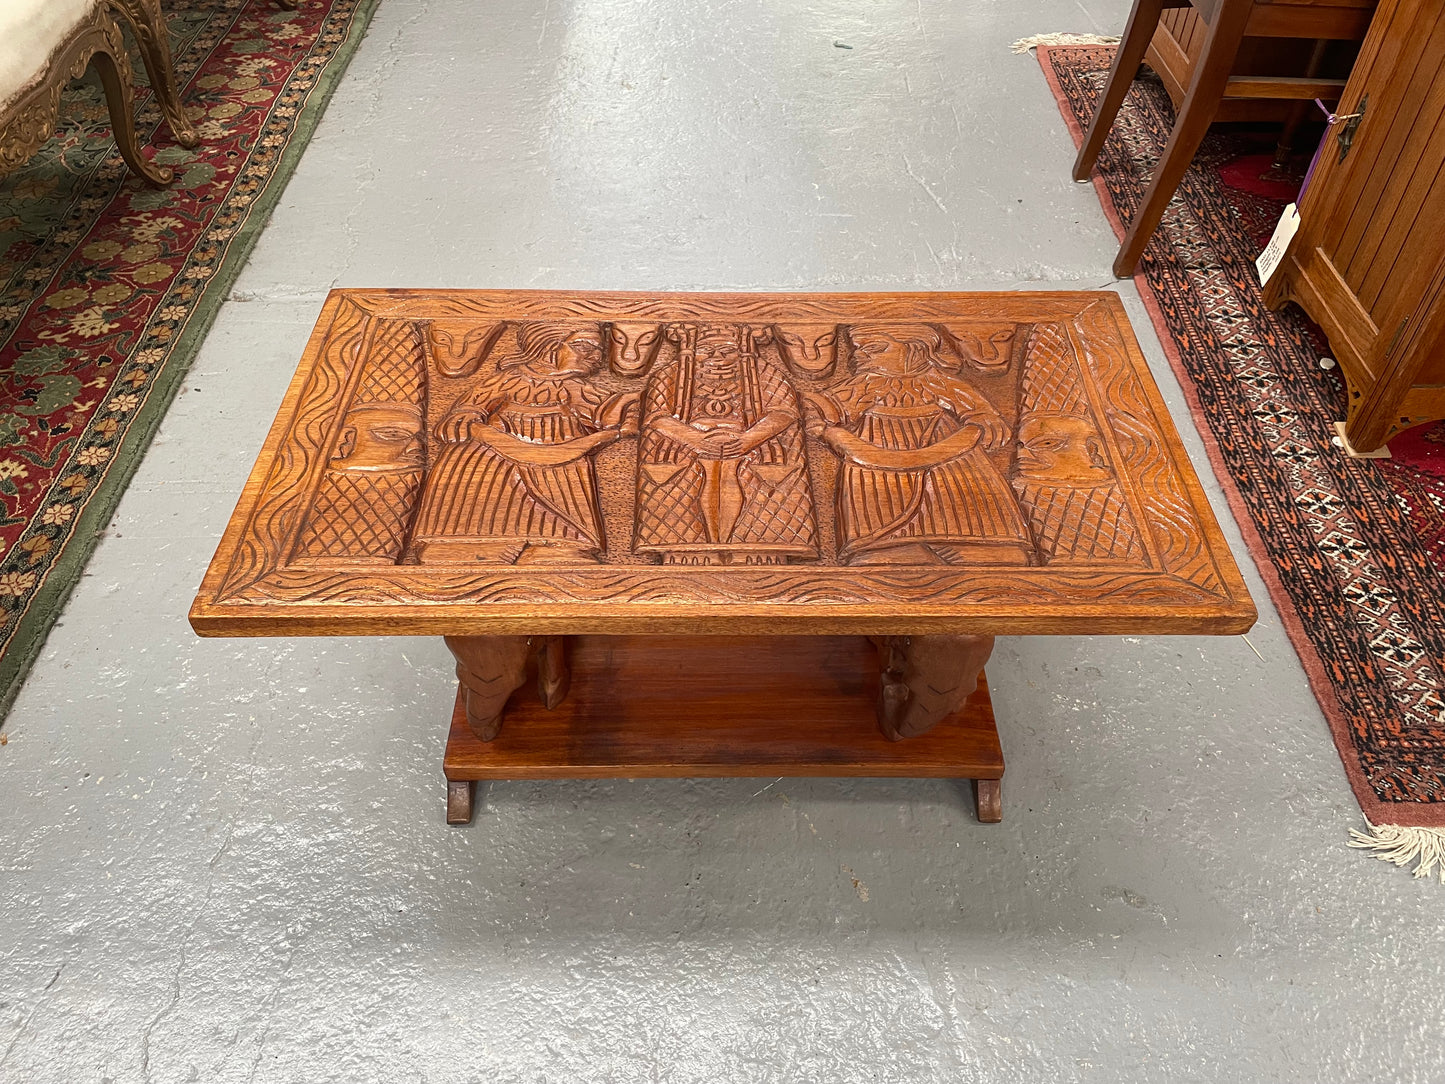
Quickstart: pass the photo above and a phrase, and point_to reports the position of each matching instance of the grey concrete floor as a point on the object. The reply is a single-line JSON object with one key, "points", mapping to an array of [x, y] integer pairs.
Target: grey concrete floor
{"points": [[226, 860]]}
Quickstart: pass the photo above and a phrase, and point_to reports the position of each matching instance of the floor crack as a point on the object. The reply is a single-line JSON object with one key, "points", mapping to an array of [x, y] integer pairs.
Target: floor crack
{"points": [[31, 1015], [225, 845], [270, 997], [923, 184]]}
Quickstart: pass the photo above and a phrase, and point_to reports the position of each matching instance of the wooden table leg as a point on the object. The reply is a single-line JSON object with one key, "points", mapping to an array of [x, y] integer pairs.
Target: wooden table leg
{"points": [[460, 793], [925, 679], [491, 669], [988, 800]]}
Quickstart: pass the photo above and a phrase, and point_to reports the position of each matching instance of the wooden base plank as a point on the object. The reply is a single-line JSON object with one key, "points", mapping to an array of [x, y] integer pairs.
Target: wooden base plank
{"points": [[722, 706], [1343, 440]]}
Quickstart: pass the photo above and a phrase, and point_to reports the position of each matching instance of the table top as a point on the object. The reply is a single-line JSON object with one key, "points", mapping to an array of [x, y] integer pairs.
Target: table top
{"points": [[467, 462]]}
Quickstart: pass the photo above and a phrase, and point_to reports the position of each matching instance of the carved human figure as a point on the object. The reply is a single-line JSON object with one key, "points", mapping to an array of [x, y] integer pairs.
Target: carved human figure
{"points": [[721, 470], [916, 485], [1064, 479], [364, 501], [1062, 472], [512, 480]]}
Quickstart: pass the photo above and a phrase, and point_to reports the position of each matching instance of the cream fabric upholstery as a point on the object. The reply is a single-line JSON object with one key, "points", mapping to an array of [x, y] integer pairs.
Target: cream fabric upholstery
{"points": [[30, 31]]}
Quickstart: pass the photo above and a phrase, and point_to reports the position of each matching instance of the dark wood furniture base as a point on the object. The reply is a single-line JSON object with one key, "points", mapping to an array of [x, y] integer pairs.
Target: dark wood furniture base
{"points": [[643, 706]]}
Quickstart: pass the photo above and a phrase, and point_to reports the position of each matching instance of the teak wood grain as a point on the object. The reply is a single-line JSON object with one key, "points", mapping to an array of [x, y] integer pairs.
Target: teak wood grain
{"points": [[493, 463]]}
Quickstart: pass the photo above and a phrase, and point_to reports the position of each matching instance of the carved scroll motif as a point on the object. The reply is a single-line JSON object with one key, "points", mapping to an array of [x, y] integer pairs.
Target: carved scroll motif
{"points": [[512, 480], [917, 485], [364, 503], [1063, 473], [722, 474]]}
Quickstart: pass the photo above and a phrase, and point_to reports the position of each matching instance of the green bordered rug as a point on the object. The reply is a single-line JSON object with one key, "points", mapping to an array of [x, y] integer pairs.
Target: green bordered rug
{"points": [[107, 286]]}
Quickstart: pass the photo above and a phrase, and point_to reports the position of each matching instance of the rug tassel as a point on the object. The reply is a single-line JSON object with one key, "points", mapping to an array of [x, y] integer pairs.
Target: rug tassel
{"points": [[1023, 45], [1402, 844]]}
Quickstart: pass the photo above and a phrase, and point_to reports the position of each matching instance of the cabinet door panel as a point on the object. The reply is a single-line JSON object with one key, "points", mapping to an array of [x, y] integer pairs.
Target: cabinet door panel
{"points": [[1385, 135], [1409, 229], [1368, 262]]}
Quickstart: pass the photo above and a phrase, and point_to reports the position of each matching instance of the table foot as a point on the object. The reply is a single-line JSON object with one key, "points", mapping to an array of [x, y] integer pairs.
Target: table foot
{"points": [[988, 800], [460, 793]]}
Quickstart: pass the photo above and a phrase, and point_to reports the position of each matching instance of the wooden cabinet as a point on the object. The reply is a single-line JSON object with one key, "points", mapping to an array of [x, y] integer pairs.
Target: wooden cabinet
{"points": [[1368, 262]]}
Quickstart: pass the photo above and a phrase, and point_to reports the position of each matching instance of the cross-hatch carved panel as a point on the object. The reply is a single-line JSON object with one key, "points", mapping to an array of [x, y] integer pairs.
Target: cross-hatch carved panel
{"points": [[734, 450]]}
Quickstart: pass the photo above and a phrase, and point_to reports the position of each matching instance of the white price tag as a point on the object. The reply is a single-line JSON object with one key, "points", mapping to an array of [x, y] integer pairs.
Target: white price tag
{"points": [[1273, 253]]}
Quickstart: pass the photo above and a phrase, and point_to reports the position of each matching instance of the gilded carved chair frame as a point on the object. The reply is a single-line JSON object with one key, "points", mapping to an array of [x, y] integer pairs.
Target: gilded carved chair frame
{"points": [[30, 119], [148, 26]]}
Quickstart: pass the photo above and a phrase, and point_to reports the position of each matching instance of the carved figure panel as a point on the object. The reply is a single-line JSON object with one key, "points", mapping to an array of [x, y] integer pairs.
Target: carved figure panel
{"points": [[917, 485], [364, 502], [722, 474], [1064, 473], [941, 452], [512, 480]]}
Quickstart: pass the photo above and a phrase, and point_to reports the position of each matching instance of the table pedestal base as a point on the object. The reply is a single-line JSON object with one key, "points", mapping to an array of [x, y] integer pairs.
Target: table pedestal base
{"points": [[643, 706]]}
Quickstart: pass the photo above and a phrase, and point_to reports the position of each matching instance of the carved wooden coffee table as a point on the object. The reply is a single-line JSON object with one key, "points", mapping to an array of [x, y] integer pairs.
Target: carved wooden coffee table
{"points": [[721, 534]]}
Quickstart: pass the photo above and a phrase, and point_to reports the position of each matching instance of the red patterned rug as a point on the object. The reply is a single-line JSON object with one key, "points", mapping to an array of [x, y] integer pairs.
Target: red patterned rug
{"points": [[108, 286], [1353, 550]]}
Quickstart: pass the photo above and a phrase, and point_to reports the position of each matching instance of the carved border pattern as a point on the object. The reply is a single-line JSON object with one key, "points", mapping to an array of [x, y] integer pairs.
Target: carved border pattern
{"points": [[650, 583], [272, 527], [1185, 572], [1133, 425]]}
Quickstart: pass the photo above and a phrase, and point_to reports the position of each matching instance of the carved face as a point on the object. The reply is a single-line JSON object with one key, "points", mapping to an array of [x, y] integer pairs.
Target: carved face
{"points": [[631, 347], [1062, 449], [901, 351], [578, 354], [719, 357], [380, 437]]}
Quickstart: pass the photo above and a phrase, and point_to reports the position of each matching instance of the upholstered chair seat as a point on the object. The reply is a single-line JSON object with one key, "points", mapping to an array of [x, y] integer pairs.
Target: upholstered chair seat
{"points": [[31, 32], [46, 43]]}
